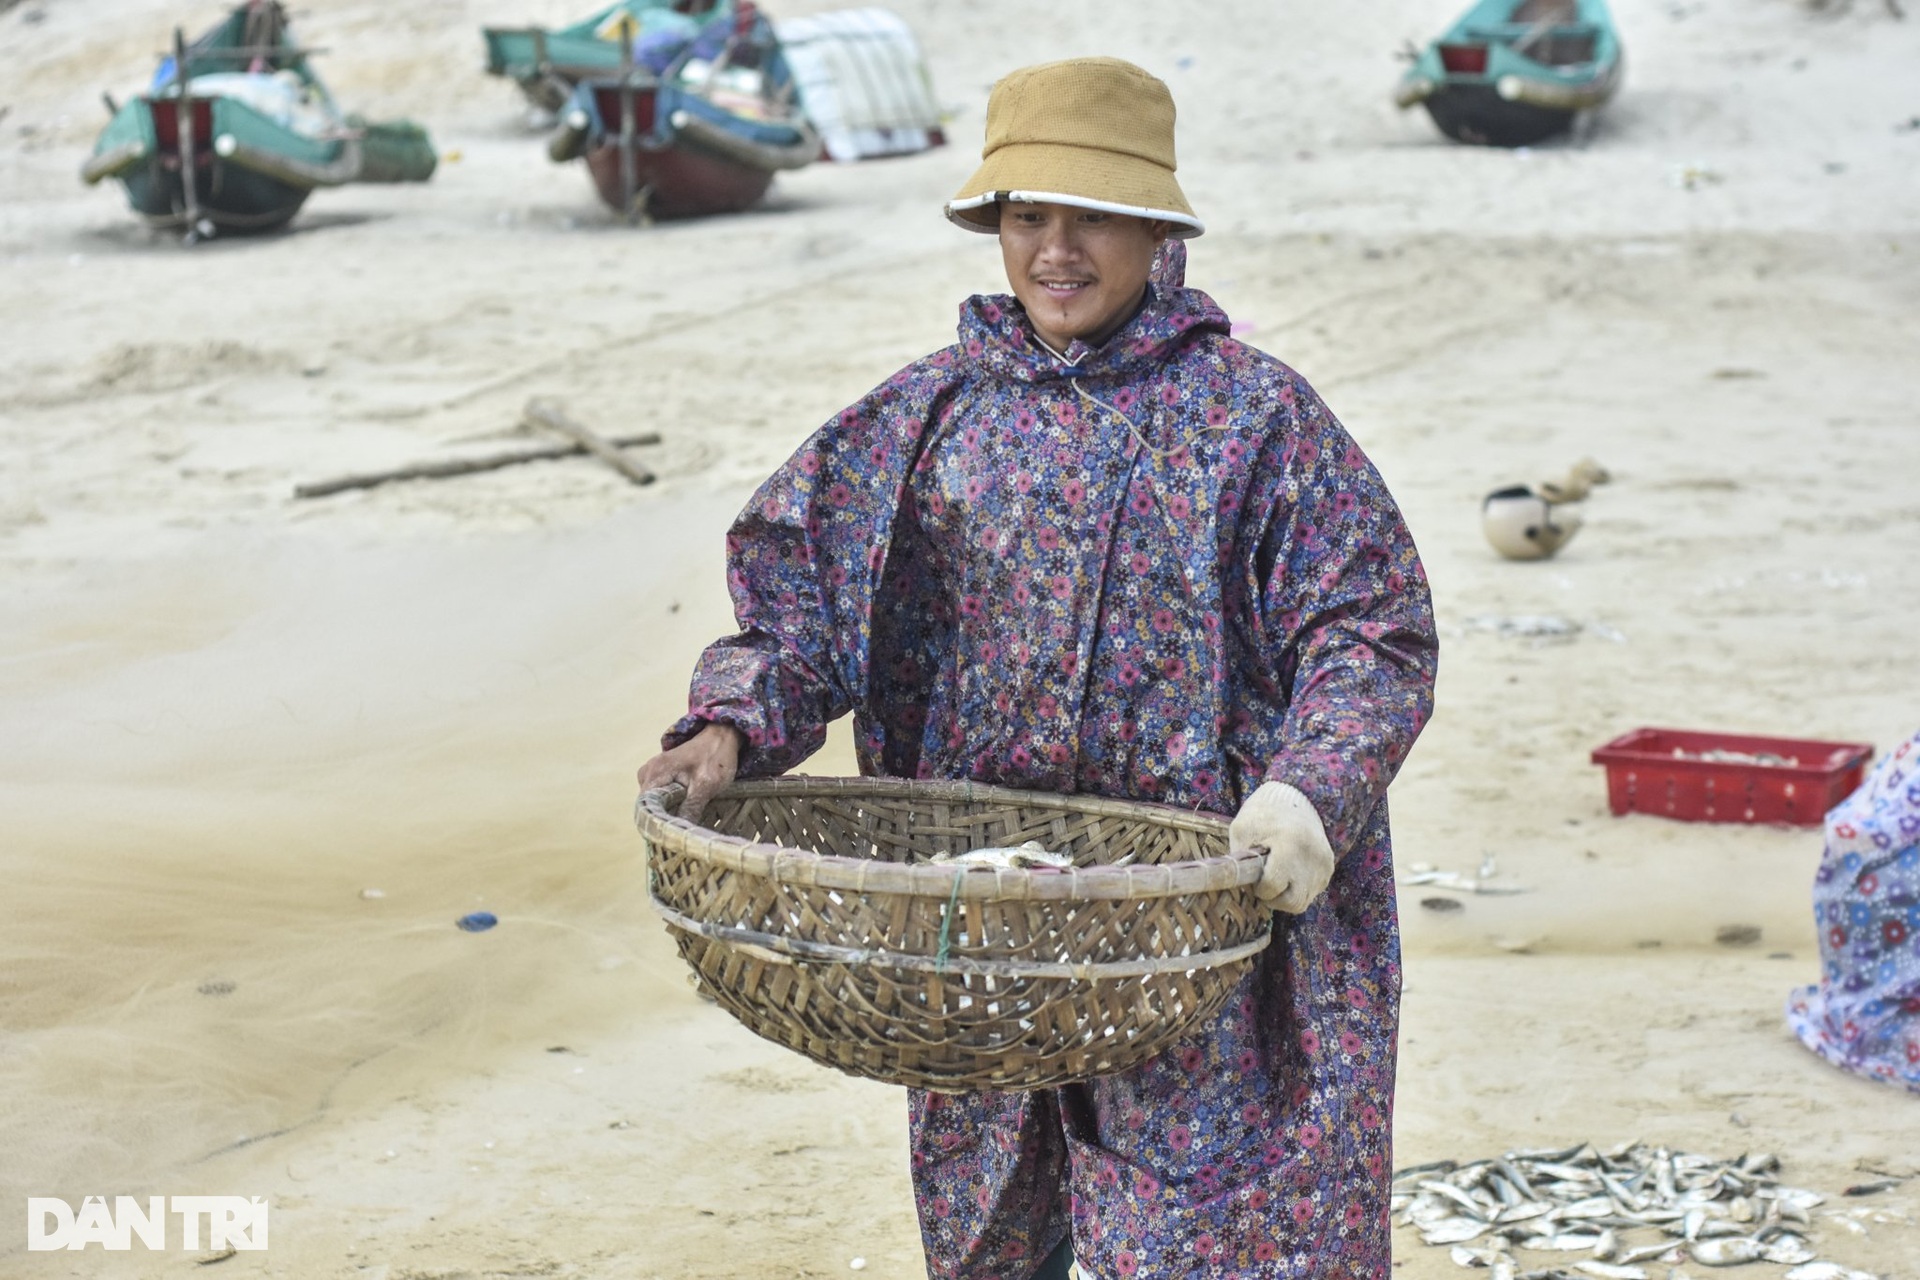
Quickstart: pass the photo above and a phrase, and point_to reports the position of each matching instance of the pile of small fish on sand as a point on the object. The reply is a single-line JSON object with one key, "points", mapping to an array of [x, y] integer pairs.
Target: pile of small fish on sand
{"points": [[1425, 873], [1716, 1213]]}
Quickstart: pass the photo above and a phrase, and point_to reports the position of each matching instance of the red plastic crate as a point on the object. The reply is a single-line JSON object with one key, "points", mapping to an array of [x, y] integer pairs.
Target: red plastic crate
{"points": [[1645, 775]]}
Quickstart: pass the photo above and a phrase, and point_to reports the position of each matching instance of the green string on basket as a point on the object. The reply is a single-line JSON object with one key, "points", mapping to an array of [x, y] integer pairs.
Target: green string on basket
{"points": [[946, 926]]}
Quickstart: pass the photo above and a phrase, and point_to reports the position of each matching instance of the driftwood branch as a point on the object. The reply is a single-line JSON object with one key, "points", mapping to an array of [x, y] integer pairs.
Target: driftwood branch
{"points": [[545, 413], [462, 466]]}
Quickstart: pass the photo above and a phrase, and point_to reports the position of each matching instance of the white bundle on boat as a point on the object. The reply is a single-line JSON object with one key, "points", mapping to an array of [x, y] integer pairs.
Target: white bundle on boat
{"points": [[281, 96], [862, 82]]}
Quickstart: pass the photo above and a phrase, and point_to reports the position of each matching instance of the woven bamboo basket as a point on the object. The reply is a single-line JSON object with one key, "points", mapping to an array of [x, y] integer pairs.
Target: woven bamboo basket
{"points": [[810, 910]]}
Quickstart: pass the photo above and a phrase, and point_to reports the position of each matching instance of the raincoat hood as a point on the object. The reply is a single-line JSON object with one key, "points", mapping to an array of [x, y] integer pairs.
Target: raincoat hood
{"points": [[996, 335]]}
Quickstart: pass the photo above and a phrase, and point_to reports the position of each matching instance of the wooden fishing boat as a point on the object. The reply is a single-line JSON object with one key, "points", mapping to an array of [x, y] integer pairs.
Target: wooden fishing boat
{"points": [[705, 134], [674, 154], [236, 131], [701, 124], [1514, 72], [548, 63]]}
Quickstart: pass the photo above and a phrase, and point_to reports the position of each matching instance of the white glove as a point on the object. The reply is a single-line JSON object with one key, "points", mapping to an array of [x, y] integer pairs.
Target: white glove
{"points": [[1277, 818]]}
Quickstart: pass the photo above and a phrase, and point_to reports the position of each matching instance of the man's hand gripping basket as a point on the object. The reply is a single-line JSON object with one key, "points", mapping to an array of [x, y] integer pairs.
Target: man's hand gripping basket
{"points": [[811, 910]]}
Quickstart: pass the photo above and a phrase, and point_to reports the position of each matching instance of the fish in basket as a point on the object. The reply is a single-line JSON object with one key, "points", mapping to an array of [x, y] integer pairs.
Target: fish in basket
{"points": [[847, 919]]}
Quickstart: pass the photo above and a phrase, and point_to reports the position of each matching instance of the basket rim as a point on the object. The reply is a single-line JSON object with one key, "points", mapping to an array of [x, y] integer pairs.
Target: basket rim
{"points": [[668, 831], [777, 949]]}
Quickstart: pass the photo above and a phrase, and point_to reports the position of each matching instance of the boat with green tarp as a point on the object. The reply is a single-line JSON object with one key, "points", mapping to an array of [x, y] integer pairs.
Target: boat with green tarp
{"points": [[548, 62], [236, 130], [1514, 72]]}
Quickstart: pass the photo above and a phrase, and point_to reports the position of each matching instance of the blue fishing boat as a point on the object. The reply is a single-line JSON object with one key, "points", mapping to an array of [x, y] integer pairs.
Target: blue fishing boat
{"points": [[1514, 72]]}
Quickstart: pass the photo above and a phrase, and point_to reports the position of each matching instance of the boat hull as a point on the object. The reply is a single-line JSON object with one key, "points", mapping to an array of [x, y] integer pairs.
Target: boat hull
{"points": [[1477, 114], [689, 157], [677, 182], [233, 199]]}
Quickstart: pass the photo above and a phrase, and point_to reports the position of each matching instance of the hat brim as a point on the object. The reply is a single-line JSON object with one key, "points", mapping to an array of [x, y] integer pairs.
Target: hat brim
{"points": [[1050, 173]]}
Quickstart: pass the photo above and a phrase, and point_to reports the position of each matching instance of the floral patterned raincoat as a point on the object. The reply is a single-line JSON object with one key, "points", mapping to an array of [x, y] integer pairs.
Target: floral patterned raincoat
{"points": [[1159, 571], [1864, 1015]]}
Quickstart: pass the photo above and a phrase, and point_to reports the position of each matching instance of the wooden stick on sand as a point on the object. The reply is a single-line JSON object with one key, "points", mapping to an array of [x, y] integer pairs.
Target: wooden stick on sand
{"points": [[546, 413], [460, 466]]}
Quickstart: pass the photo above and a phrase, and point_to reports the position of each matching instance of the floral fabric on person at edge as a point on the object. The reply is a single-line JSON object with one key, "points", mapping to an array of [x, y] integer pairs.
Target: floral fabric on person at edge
{"points": [[1864, 1016], [1160, 572]]}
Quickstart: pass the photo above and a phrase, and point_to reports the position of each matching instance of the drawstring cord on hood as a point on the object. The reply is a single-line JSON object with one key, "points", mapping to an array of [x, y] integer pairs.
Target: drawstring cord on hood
{"points": [[1072, 372], [1170, 265], [1138, 439], [1074, 381]]}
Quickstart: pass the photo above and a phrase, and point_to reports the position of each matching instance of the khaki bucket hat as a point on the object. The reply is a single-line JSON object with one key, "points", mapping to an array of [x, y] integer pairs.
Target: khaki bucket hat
{"points": [[1092, 132]]}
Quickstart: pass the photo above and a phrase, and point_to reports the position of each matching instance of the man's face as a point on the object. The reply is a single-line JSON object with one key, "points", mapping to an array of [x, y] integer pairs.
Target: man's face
{"points": [[1078, 272]]}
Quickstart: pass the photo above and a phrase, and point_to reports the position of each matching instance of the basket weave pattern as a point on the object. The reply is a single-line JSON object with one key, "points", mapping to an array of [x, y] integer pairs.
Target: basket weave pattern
{"points": [[809, 909]]}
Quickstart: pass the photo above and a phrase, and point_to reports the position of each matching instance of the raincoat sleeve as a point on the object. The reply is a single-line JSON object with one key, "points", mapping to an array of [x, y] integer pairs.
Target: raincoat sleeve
{"points": [[1347, 621], [802, 560]]}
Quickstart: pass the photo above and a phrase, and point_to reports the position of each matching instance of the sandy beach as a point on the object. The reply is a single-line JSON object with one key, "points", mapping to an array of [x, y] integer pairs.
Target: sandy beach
{"points": [[258, 753]]}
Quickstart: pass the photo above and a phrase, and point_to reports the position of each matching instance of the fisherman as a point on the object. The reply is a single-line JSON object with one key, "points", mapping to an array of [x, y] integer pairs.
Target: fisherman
{"points": [[1100, 546]]}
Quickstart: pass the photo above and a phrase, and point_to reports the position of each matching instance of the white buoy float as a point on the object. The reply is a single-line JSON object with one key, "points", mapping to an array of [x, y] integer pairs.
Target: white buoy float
{"points": [[1532, 522]]}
